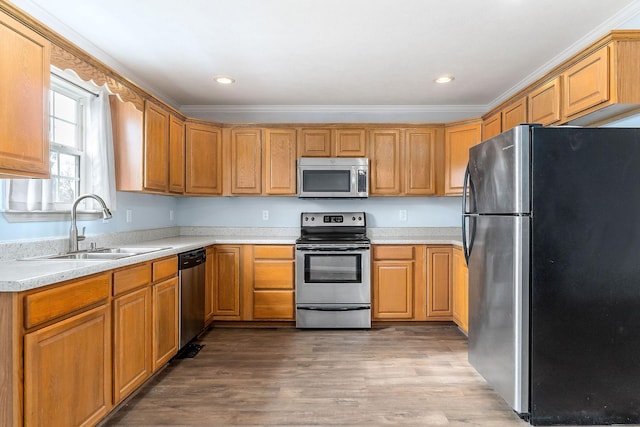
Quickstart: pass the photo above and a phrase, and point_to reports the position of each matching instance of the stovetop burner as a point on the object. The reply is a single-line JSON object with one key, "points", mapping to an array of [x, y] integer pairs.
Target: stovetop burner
{"points": [[339, 228]]}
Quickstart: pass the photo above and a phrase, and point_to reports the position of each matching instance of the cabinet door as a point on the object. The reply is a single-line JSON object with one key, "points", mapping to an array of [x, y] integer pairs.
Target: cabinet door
{"points": [[127, 123], [492, 126], [350, 143], [67, 371], [176, 155], [204, 160], [24, 101], [166, 321], [385, 162], [514, 114], [586, 84], [131, 342], [156, 148], [315, 143], [420, 176], [392, 289], [460, 290], [246, 161], [439, 289], [227, 283], [280, 162], [544, 103], [273, 282], [209, 289], [458, 140]]}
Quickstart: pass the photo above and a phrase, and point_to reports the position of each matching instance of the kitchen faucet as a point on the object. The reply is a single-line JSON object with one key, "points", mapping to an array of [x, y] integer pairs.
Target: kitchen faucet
{"points": [[74, 238]]}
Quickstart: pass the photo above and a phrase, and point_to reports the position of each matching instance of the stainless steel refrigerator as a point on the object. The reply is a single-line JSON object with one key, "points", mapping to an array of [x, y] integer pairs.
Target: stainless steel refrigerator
{"points": [[551, 229]]}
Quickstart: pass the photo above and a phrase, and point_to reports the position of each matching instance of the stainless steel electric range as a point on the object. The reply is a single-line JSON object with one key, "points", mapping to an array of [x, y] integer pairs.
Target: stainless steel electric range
{"points": [[333, 271]]}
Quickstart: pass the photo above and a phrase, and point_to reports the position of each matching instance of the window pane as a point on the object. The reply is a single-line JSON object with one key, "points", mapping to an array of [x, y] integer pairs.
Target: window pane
{"points": [[68, 165], [66, 190], [64, 133], [53, 162], [65, 108]]}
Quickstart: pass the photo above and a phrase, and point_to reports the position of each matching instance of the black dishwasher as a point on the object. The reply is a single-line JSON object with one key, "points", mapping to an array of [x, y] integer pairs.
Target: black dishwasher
{"points": [[191, 272]]}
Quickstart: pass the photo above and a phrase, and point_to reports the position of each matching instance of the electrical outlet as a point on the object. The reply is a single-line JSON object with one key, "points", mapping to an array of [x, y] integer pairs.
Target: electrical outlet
{"points": [[129, 215], [171, 215], [265, 215], [402, 214]]}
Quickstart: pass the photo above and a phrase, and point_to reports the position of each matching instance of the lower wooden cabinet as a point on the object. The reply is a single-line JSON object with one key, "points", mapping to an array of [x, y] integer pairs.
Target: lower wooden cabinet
{"points": [[460, 289], [226, 283], [439, 283], [131, 342], [209, 287], [273, 282], [67, 371], [398, 282], [166, 321]]}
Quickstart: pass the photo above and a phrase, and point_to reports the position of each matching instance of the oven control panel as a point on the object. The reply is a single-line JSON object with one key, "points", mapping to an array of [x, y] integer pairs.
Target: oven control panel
{"points": [[332, 219]]}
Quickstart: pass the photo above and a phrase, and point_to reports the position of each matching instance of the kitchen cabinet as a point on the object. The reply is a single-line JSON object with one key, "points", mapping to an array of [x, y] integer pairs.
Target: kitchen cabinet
{"points": [[273, 281], [246, 161], [131, 342], [24, 101], [165, 311], [263, 161], [279, 155], [156, 148], [586, 82], [419, 168], [385, 162], [460, 278], [209, 288], [226, 303], [398, 282], [459, 138], [514, 114], [203, 159], [176, 154], [315, 143], [544, 103], [350, 143], [67, 353], [492, 126], [439, 283]]}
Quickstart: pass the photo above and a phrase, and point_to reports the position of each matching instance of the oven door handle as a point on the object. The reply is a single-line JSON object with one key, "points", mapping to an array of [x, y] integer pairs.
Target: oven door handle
{"points": [[351, 308]]}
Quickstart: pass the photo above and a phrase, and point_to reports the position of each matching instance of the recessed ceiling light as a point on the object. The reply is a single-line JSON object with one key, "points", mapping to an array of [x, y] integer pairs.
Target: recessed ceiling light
{"points": [[444, 79], [224, 80]]}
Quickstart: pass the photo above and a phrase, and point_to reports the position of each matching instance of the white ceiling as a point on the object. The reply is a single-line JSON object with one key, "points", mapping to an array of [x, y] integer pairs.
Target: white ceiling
{"points": [[339, 54]]}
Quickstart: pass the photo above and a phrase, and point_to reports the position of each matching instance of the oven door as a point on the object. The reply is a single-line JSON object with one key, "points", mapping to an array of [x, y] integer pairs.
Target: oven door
{"points": [[333, 276]]}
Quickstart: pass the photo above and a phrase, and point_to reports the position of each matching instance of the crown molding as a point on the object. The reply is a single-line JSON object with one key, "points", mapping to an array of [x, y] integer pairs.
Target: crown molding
{"points": [[477, 109]]}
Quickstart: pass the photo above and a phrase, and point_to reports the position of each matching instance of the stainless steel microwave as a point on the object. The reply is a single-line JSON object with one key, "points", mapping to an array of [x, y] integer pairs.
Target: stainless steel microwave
{"points": [[333, 177]]}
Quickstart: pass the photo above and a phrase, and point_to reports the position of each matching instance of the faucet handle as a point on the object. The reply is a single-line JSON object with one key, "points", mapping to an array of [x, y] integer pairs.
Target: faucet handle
{"points": [[81, 237]]}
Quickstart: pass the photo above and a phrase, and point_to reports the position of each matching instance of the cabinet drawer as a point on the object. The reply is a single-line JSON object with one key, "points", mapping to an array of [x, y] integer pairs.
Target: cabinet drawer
{"points": [[57, 302], [273, 275], [390, 252], [273, 305], [165, 268], [131, 278], [273, 252]]}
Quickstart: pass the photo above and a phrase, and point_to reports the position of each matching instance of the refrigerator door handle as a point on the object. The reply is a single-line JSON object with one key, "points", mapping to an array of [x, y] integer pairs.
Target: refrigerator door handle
{"points": [[466, 246]]}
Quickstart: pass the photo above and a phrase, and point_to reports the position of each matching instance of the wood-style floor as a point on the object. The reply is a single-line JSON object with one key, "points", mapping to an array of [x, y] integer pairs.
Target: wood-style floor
{"points": [[387, 376]]}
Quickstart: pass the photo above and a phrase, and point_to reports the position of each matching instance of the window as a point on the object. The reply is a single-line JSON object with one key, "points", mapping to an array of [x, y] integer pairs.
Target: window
{"points": [[67, 116], [81, 156]]}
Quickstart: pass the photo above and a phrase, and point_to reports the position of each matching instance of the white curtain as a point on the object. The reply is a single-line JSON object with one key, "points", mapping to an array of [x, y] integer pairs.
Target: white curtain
{"points": [[100, 156], [37, 194]]}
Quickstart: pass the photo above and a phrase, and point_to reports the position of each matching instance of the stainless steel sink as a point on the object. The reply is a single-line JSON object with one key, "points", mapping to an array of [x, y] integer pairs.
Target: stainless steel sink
{"points": [[101, 254]]}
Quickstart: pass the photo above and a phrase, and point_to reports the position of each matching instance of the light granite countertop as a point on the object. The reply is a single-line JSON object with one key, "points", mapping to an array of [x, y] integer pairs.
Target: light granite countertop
{"points": [[20, 275]]}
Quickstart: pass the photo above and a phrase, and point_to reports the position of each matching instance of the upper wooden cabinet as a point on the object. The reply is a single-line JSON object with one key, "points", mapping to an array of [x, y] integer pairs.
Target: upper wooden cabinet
{"points": [[587, 82], [261, 161], [332, 142], [203, 160], [279, 157], [176, 155], [156, 148], [458, 140], [544, 103], [492, 126], [402, 161], [24, 101], [510, 116]]}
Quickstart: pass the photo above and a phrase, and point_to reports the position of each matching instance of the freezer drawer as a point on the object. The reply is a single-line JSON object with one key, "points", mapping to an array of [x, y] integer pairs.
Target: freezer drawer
{"points": [[499, 305]]}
